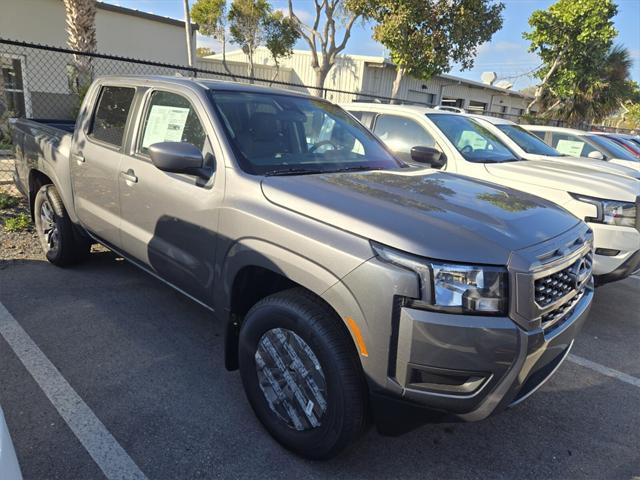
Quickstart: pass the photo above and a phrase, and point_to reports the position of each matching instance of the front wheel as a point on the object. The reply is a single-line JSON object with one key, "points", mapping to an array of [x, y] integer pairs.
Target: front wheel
{"points": [[301, 374], [60, 242]]}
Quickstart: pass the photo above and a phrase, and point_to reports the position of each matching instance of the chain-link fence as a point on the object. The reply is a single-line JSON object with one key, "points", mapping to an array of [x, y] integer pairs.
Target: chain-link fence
{"points": [[38, 81]]}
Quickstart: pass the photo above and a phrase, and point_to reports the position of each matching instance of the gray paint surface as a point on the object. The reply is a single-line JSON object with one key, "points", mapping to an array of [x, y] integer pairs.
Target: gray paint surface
{"points": [[315, 231]]}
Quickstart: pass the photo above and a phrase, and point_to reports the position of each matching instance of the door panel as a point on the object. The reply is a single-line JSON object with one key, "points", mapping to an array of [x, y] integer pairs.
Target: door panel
{"points": [[95, 164], [169, 220]]}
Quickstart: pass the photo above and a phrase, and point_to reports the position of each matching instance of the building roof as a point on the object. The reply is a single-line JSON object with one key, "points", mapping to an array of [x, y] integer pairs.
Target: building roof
{"points": [[140, 14]]}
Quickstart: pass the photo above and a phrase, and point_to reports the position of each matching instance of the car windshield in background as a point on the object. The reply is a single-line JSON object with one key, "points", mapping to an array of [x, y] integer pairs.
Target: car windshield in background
{"points": [[473, 141], [527, 141], [275, 134], [615, 150]]}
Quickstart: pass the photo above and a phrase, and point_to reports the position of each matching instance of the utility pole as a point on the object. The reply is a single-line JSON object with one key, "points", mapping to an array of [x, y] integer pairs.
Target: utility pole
{"points": [[187, 28]]}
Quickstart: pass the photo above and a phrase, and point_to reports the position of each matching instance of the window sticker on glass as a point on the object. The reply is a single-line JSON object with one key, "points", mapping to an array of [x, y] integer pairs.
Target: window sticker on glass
{"points": [[473, 140], [165, 124], [570, 147]]}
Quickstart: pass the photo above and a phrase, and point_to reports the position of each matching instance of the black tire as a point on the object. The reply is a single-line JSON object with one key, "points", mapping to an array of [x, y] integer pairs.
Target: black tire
{"points": [[62, 245], [344, 417]]}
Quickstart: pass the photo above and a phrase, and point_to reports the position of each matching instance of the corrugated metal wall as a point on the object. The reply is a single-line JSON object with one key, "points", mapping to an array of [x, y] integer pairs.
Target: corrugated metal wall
{"points": [[354, 73]]}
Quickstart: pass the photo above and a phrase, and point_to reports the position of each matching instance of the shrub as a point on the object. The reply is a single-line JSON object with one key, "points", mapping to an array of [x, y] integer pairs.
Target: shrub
{"points": [[7, 201], [20, 222]]}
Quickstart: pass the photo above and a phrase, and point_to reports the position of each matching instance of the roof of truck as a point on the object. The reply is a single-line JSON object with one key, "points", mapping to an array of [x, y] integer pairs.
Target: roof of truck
{"points": [[548, 128], [220, 85]]}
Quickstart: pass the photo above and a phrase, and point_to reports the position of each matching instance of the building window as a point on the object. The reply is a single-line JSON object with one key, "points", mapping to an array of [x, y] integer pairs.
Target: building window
{"points": [[476, 107], [11, 87], [453, 102]]}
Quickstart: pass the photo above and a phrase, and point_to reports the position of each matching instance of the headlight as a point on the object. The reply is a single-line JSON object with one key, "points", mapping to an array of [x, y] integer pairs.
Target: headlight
{"points": [[450, 287], [611, 212]]}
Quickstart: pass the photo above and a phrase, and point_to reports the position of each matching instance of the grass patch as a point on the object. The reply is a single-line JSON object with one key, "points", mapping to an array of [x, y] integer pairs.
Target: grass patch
{"points": [[19, 223], [8, 201], [5, 146]]}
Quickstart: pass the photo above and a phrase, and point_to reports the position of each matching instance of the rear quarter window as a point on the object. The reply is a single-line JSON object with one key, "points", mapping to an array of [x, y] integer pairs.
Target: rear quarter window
{"points": [[110, 116]]}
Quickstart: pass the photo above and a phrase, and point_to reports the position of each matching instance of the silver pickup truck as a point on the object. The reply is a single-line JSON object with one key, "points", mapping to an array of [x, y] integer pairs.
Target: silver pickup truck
{"points": [[352, 286]]}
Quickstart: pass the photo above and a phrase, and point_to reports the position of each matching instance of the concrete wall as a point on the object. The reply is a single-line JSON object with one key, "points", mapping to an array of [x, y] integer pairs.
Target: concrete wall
{"points": [[45, 78], [42, 21]]}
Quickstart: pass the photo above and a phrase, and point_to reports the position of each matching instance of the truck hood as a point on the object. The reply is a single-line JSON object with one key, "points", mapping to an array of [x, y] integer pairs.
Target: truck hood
{"points": [[433, 214], [572, 178], [598, 165]]}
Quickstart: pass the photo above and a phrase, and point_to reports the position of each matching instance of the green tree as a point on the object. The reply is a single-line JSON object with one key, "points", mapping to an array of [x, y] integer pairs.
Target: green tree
{"points": [[281, 35], [425, 37], [204, 51], [602, 93], [246, 21], [571, 37], [211, 17]]}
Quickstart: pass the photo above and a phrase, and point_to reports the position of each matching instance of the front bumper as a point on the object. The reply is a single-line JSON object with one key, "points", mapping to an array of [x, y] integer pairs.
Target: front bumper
{"points": [[473, 367], [624, 246]]}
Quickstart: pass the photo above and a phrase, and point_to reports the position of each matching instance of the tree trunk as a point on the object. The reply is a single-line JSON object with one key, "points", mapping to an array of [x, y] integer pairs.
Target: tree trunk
{"points": [[81, 36], [320, 77], [224, 57], [543, 85], [250, 66], [395, 90]]}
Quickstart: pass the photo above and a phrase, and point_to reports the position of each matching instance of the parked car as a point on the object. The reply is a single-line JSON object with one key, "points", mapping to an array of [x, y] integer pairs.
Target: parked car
{"points": [[530, 147], [348, 282], [9, 467], [584, 144], [625, 141], [461, 144]]}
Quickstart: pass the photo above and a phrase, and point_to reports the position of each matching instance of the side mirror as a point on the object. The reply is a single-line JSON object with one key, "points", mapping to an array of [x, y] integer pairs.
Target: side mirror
{"points": [[428, 155], [177, 157], [596, 155]]}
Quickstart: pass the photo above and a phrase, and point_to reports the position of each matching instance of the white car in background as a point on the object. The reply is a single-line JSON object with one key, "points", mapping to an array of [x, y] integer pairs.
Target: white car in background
{"points": [[458, 143], [578, 143], [531, 147], [9, 468]]}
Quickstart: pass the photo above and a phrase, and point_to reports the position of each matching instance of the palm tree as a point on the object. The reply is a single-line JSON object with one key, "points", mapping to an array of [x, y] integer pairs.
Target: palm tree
{"points": [[81, 36], [595, 98]]}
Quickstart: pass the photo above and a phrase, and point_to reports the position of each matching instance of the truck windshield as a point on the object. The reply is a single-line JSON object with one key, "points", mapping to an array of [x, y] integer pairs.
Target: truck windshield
{"points": [[474, 142], [527, 141], [275, 134]]}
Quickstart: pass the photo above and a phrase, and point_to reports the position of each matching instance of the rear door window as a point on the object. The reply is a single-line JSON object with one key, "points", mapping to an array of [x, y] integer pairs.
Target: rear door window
{"points": [[110, 117], [569, 144]]}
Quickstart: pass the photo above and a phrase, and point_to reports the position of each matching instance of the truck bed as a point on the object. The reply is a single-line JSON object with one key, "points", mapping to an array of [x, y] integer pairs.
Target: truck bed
{"points": [[41, 145]]}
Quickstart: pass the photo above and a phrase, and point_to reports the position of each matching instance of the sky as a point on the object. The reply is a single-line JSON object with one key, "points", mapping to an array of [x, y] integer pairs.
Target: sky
{"points": [[506, 53]]}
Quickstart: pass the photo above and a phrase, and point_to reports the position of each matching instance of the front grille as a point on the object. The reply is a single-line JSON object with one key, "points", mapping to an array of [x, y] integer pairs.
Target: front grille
{"points": [[553, 319], [553, 287]]}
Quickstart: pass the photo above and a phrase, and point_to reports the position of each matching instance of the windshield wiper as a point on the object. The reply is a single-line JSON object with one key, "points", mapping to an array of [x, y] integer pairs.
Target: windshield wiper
{"points": [[359, 168], [291, 171]]}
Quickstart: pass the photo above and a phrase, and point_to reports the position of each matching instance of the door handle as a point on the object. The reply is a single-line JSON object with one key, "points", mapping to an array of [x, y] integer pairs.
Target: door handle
{"points": [[79, 159], [129, 176]]}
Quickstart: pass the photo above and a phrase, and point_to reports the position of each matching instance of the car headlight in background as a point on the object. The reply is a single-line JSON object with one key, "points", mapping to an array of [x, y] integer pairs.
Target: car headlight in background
{"points": [[452, 287], [611, 212]]}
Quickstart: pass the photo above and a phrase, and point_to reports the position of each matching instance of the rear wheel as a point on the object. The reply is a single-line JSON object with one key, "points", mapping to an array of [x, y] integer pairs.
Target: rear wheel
{"points": [[60, 242], [302, 375]]}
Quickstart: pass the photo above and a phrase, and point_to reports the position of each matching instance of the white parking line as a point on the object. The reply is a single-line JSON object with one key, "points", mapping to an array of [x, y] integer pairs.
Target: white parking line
{"points": [[609, 372], [105, 450]]}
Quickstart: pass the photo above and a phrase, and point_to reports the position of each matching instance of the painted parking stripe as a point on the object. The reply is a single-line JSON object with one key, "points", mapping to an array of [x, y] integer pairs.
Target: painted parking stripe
{"points": [[609, 372], [105, 450]]}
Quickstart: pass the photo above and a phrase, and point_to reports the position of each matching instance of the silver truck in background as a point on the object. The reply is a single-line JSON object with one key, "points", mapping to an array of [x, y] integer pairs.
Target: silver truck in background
{"points": [[351, 285]]}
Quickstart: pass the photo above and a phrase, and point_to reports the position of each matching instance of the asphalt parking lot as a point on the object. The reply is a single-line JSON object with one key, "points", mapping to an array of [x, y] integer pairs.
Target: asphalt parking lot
{"points": [[148, 365]]}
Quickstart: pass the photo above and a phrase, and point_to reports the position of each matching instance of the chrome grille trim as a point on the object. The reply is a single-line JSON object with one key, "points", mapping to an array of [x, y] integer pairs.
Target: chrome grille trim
{"points": [[551, 289]]}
